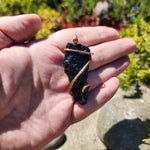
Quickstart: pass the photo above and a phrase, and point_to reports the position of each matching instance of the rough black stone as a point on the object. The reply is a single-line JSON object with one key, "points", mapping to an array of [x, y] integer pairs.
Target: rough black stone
{"points": [[73, 63]]}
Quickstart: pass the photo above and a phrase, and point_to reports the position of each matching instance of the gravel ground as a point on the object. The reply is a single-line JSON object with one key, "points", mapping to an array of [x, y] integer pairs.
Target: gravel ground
{"points": [[83, 136]]}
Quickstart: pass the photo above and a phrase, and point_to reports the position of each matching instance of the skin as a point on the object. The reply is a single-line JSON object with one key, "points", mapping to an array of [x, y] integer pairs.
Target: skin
{"points": [[35, 106]]}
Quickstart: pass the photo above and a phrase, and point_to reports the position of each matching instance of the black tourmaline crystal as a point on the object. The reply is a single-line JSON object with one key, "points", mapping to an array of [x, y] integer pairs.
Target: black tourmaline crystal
{"points": [[73, 63]]}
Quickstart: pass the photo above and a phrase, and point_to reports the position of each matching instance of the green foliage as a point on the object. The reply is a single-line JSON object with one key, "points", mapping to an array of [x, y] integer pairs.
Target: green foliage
{"points": [[148, 129], [139, 68], [16, 7], [78, 8], [126, 10], [49, 21]]}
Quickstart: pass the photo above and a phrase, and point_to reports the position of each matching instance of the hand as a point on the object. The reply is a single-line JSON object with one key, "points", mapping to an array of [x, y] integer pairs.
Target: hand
{"points": [[35, 106]]}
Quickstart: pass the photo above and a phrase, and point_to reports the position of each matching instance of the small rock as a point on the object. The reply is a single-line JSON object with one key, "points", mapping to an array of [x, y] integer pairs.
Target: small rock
{"points": [[101, 8], [122, 121], [101, 11], [144, 146]]}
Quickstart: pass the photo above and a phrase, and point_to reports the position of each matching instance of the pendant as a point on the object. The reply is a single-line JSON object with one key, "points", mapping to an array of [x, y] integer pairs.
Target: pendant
{"points": [[76, 64]]}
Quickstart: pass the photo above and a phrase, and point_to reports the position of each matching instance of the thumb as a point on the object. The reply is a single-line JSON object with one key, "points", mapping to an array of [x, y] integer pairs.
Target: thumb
{"points": [[16, 29]]}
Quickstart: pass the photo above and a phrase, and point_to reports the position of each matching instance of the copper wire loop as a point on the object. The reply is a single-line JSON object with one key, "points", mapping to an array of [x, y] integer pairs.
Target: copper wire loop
{"points": [[77, 76], [78, 51]]}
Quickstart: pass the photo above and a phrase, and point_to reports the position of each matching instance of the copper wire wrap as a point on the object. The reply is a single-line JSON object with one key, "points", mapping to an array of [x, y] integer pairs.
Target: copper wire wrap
{"points": [[78, 51], [80, 72]]}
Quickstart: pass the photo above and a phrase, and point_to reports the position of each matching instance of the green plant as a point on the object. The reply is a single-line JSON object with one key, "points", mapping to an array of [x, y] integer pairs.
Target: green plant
{"points": [[49, 21], [77, 8], [16, 7], [139, 68], [126, 11], [147, 127]]}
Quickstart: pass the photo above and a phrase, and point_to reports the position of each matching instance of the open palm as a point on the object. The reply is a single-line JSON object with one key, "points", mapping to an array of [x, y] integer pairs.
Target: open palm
{"points": [[35, 106]]}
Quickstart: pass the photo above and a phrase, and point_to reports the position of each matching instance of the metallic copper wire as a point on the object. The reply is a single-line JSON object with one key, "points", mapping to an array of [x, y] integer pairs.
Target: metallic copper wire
{"points": [[77, 76], [78, 51]]}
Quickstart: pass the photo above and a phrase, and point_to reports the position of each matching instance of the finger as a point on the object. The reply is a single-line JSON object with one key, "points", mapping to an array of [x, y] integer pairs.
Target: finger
{"points": [[99, 76], [86, 35], [96, 99], [111, 51], [18, 29]]}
